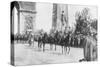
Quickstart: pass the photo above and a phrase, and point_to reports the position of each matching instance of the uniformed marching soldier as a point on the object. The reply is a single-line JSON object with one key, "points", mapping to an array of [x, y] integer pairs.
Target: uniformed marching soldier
{"points": [[90, 49]]}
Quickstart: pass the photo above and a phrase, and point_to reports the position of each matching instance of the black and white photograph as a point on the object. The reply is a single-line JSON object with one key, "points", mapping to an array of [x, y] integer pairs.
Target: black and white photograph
{"points": [[53, 33]]}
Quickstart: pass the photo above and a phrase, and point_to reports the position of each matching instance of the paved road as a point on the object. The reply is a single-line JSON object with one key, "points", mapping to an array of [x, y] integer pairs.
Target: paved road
{"points": [[25, 55]]}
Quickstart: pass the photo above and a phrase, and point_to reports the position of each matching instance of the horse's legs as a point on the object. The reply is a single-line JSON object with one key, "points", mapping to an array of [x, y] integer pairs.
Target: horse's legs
{"points": [[43, 47], [68, 50], [33, 43], [17, 40], [38, 44], [55, 47], [62, 49], [30, 43], [65, 49], [51, 46]]}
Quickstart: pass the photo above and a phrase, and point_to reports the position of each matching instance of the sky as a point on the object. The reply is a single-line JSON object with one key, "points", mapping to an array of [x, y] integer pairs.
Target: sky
{"points": [[44, 16]]}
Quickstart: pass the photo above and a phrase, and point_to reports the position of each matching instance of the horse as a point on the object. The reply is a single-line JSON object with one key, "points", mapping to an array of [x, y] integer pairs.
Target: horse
{"points": [[44, 40], [40, 41], [51, 41], [62, 43], [67, 43]]}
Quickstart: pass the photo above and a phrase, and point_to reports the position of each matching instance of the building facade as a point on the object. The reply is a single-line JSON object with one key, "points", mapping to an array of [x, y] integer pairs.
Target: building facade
{"points": [[25, 20], [60, 17]]}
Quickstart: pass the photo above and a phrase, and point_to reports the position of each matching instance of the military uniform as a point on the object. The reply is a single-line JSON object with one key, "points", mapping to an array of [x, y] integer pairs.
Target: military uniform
{"points": [[90, 49]]}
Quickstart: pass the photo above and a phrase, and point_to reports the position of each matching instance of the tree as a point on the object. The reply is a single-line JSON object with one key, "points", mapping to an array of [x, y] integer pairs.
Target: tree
{"points": [[82, 22], [94, 24]]}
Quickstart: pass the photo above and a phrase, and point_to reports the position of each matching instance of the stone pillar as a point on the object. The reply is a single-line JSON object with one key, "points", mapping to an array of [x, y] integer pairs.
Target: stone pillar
{"points": [[18, 22]]}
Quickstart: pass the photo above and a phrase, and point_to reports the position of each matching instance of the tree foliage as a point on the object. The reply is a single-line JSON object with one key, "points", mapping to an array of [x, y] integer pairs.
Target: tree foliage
{"points": [[84, 24]]}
